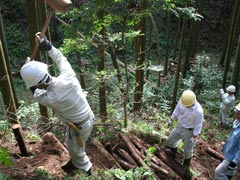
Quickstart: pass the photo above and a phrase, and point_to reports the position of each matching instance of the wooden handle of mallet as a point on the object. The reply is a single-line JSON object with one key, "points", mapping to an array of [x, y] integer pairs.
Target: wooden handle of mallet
{"points": [[44, 28], [79, 140]]}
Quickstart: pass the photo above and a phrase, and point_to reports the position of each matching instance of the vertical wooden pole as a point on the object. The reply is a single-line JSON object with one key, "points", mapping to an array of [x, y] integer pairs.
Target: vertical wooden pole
{"points": [[9, 104]]}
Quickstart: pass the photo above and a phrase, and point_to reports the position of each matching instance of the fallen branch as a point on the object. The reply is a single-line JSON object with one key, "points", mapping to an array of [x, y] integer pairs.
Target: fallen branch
{"points": [[173, 164], [214, 154], [159, 171], [126, 166], [132, 150], [101, 148], [126, 156], [154, 159]]}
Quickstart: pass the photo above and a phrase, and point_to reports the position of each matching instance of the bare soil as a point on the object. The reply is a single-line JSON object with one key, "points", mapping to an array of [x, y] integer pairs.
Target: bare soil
{"points": [[50, 157]]}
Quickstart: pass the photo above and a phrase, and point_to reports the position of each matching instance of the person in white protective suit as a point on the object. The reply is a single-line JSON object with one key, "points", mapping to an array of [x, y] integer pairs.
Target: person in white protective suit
{"points": [[65, 96], [231, 151], [190, 116], [227, 103]]}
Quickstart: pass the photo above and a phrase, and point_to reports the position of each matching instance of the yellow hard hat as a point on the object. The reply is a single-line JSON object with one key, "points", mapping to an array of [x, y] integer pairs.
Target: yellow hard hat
{"points": [[188, 98], [237, 108]]}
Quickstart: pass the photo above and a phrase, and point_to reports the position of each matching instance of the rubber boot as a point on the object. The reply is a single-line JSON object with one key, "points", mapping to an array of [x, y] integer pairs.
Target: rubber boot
{"points": [[229, 177], [171, 151], [89, 172], [186, 164]]}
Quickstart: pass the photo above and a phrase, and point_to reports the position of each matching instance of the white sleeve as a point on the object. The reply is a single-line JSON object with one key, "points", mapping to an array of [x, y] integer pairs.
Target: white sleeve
{"points": [[61, 61], [175, 113], [198, 123]]}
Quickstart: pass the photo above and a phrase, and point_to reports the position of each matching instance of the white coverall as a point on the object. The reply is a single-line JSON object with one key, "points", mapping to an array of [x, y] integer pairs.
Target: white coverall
{"points": [[190, 121], [65, 96], [225, 107]]}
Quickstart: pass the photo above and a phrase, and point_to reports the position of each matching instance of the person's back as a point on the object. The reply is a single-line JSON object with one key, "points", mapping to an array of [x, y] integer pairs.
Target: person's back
{"points": [[65, 96], [64, 93]]}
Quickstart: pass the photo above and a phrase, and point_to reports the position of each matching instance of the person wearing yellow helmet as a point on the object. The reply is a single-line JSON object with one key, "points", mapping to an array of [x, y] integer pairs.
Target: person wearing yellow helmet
{"points": [[190, 116], [231, 151], [227, 103]]}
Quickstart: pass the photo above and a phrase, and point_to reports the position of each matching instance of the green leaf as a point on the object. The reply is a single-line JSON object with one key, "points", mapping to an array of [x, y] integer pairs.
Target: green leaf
{"points": [[5, 157]]}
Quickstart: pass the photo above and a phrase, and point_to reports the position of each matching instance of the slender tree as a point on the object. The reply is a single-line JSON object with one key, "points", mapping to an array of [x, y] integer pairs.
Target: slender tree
{"points": [[231, 38], [158, 46], [192, 38], [179, 61], [236, 67], [167, 43], [82, 81], [101, 67], [5, 49], [139, 56], [125, 90], [33, 23], [9, 102], [149, 34], [177, 35]]}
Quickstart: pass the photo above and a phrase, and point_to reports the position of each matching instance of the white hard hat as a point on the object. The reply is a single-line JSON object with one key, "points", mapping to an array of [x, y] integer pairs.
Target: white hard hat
{"points": [[33, 72], [188, 98], [231, 88], [237, 108]]}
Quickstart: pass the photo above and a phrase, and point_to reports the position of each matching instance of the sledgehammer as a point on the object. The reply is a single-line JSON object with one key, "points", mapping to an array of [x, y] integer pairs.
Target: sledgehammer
{"points": [[59, 5]]}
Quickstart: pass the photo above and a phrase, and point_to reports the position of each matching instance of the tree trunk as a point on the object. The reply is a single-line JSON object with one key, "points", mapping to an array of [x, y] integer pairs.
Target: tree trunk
{"points": [[236, 67], [193, 35], [81, 76], [102, 87], [33, 28], [125, 91], [139, 56], [115, 63], [179, 62], [32, 23], [167, 44], [5, 51], [231, 38], [149, 43], [177, 34], [158, 47], [9, 103]]}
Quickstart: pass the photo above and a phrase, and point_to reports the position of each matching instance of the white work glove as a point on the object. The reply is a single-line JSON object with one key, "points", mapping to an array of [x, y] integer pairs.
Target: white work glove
{"points": [[221, 91], [85, 93], [170, 122], [28, 60]]}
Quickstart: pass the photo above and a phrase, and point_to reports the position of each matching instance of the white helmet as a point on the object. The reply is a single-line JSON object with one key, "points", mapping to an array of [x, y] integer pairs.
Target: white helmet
{"points": [[237, 108], [231, 88], [188, 98], [33, 72]]}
